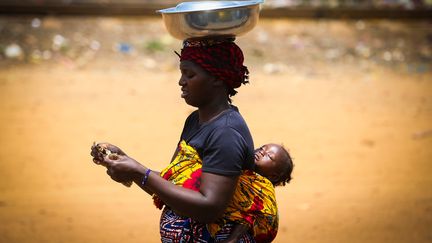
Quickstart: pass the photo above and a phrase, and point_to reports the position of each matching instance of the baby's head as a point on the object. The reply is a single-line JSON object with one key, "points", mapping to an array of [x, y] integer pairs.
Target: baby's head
{"points": [[274, 162]]}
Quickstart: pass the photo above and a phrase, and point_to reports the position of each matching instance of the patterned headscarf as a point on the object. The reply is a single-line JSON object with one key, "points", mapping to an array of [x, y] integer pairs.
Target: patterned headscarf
{"points": [[222, 58]]}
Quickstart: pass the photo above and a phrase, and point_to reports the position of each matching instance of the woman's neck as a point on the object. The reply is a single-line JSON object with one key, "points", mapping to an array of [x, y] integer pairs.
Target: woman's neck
{"points": [[211, 111]]}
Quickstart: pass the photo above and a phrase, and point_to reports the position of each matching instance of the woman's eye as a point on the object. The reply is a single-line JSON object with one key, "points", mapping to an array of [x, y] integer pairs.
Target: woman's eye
{"points": [[188, 75]]}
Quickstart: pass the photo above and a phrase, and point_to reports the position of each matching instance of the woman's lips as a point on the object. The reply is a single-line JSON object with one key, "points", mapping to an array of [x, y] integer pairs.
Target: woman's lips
{"points": [[184, 93]]}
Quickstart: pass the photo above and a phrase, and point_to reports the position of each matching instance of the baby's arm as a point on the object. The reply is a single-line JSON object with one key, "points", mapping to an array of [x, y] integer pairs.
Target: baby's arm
{"points": [[237, 233]]}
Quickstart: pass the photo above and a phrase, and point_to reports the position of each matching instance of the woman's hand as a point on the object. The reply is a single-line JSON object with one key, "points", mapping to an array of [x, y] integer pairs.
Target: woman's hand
{"points": [[100, 150], [121, 168]]}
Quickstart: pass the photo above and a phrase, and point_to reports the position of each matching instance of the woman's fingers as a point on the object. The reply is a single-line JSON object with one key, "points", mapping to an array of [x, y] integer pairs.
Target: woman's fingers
{"points": [[114, 156], [96, 161], [115, 149], [108, 162], [119, 166], [110, 172], [112, 160], [111, 148], [94, 152], [100, 152]]}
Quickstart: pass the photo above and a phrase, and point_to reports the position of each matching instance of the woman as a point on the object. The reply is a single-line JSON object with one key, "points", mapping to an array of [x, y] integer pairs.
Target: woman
{"points": [[211, 70]]}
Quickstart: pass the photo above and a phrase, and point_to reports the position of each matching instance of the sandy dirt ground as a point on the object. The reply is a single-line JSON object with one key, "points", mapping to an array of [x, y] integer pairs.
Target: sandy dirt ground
{"points": [[361, 139]]}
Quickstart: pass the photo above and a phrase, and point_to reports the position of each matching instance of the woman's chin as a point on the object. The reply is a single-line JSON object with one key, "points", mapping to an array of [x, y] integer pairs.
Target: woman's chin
{"points": [[189, 102]]}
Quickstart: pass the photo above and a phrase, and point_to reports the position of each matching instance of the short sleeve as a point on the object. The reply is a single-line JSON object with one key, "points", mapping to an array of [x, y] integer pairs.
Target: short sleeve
{"points": [[224, 152]]}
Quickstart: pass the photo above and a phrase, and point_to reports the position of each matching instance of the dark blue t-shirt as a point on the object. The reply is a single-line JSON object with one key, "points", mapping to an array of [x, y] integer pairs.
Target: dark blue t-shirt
{"points": [[224, 144]]}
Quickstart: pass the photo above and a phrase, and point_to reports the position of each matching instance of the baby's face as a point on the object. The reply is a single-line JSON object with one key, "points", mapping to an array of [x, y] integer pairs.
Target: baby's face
{"points": [[269, 161]]}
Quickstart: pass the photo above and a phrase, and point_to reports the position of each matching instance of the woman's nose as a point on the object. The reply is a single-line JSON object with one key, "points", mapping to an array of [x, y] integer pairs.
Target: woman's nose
{"points": [[182, 81]]}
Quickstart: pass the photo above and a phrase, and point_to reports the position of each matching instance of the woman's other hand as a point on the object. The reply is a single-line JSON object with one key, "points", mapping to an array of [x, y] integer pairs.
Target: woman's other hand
{"points": [[122, 168]]}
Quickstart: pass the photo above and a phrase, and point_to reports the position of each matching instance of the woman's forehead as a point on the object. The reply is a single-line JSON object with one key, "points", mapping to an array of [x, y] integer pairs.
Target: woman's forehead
{"points": [[185, 63], [189, 65]]}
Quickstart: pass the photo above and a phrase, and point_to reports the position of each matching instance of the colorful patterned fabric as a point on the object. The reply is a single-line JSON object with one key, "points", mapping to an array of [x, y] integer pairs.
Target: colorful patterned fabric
{"points": [[221, 58], [253, 203], [177, 229]]}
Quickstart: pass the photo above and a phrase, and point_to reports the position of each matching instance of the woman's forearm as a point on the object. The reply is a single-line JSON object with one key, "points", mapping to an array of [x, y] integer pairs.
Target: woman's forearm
{"points": [[138, 181], [204, 206]]}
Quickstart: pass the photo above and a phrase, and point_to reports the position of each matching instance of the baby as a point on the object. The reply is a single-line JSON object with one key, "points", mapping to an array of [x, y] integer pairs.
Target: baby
{"points": [[273, 162]]}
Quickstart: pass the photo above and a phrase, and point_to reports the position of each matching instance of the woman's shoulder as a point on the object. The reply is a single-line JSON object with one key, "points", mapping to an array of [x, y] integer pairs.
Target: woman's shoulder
{"points": [[192, 117], [232, 125], [233, 119]]}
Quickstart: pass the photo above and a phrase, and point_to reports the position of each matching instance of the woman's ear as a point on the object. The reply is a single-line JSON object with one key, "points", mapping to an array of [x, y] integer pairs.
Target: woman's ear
{"points": [[217, 82]]}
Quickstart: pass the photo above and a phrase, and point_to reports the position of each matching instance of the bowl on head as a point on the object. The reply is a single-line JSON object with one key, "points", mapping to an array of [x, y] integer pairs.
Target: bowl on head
{"points": [[211, 18]]}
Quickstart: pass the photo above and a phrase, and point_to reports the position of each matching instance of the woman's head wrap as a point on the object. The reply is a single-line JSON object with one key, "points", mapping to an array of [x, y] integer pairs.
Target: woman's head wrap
{"points": [[222, 58]]}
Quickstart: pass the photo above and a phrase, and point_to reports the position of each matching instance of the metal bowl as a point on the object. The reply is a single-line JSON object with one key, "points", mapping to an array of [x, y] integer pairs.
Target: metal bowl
{"points": [[211, 18]]}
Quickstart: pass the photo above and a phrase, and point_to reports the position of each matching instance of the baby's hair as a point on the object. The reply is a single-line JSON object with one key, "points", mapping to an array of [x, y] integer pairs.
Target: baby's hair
{"points": [[286, 176]]}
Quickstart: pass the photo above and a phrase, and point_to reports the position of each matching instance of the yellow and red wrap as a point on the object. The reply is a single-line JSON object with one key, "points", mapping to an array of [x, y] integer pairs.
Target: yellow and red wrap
{"points": [[253, 203]]}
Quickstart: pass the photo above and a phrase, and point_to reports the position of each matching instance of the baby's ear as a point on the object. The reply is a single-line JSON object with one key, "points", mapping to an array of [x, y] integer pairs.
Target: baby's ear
{"points": [[274, 178]]}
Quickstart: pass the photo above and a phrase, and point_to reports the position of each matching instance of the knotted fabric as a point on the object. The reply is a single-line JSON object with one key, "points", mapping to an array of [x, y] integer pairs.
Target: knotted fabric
{"points": [[222, 58]]}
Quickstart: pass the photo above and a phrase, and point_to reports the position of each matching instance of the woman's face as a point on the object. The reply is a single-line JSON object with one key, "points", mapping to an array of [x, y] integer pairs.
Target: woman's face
{"points": [[196, 84]]}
